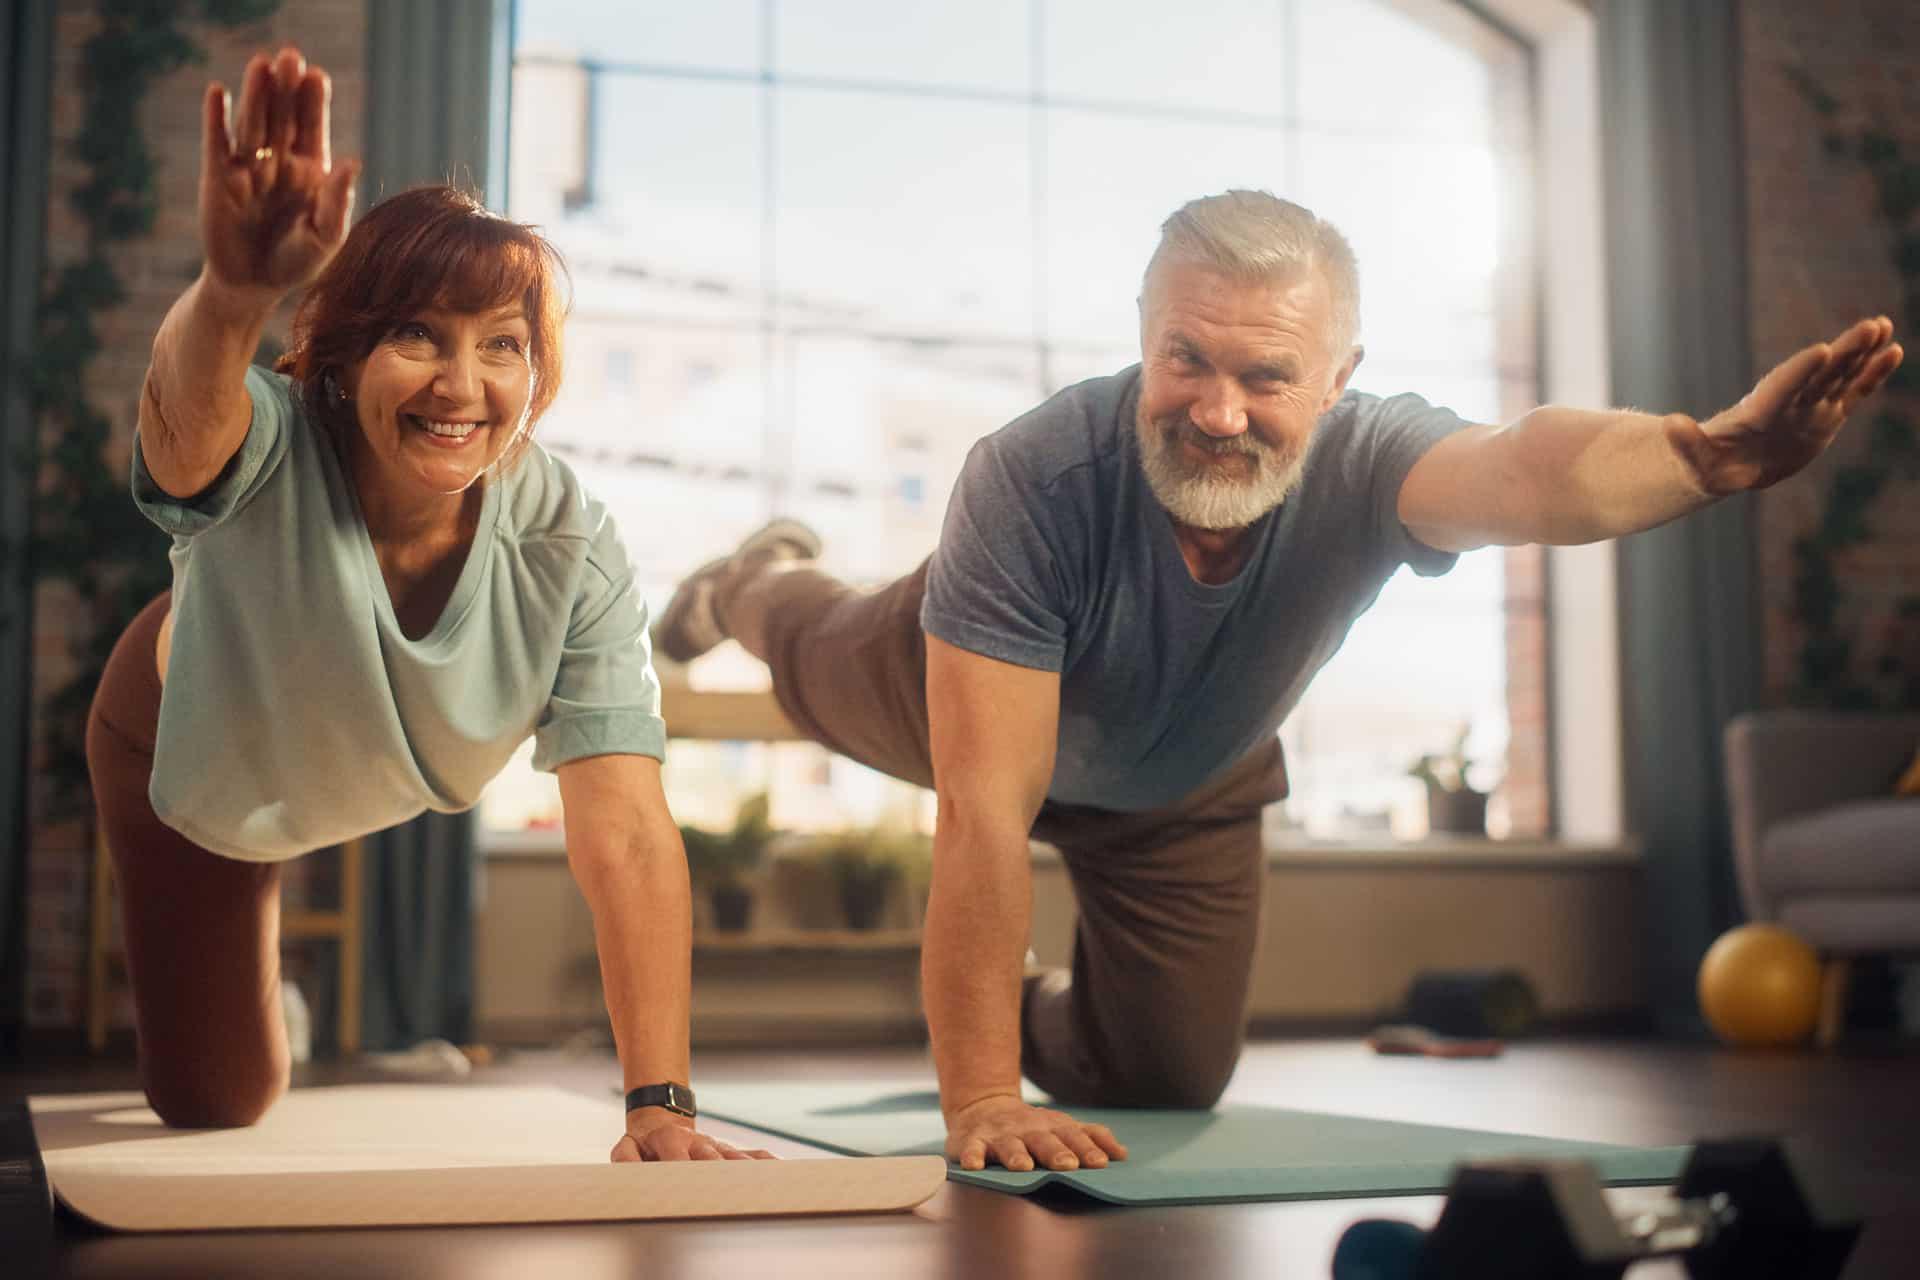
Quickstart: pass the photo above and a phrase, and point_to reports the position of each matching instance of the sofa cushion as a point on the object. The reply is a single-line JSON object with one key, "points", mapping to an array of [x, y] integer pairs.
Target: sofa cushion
{"points": [[1866, 846], [1856, 924]]}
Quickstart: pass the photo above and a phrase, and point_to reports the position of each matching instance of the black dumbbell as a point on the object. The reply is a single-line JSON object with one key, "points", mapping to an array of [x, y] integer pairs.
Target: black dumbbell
{"points": [[1739, 1212]]}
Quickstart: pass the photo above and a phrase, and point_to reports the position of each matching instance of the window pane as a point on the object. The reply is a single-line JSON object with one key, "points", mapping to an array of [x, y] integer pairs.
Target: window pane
{"points": [[1423, 219], [715, 35], [677, 174], [880, 429], [1473, 394], [1425, 662], [809, 294], [1398, 69], [981, 45], [1220, 55], [1111, 182], [679, 457], [1069, 363], [905, 215]]}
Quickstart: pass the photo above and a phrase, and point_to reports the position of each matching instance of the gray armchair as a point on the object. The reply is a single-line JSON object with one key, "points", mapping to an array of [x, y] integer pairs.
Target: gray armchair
{"points": [[1821, 845]]}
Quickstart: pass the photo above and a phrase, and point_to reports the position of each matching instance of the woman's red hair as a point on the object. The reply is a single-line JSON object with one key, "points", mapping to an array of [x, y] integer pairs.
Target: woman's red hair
{"points": [[423, 248]]}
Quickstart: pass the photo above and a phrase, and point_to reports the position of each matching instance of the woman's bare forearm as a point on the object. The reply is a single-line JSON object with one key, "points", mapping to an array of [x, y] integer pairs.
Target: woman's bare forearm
{"points": [[194, 408], [642, 930]]}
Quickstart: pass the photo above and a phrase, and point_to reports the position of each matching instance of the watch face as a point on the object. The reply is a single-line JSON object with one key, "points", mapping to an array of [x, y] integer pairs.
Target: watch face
{"points": [[680, 1098]]}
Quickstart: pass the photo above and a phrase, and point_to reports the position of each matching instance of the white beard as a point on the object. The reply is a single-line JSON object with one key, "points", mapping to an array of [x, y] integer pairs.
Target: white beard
{"points": [[1203, 497]]}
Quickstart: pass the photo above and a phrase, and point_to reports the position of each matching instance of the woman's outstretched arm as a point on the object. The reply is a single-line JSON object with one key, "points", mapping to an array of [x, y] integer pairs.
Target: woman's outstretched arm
{"points": [[273, 210]]}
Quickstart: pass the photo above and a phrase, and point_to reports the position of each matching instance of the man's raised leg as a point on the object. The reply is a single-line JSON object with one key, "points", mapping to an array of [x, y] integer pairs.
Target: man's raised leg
{"points": [[848, 665]]}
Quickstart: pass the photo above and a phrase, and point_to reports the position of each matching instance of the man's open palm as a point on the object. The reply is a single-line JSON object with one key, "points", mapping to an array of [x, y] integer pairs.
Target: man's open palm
{"points": [[1793, 413]]}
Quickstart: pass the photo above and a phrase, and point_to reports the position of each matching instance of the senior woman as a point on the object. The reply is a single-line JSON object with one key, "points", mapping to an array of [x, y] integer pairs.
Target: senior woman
{"points": [[381, 587]]}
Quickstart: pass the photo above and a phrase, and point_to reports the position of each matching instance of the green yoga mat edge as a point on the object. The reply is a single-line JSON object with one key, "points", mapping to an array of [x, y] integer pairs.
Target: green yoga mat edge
{"points": [[1620, 1166], [1659, 1166]]}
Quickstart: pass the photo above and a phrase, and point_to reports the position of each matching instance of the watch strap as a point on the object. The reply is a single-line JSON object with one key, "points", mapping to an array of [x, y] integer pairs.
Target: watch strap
{"points": [[672, 1095]]}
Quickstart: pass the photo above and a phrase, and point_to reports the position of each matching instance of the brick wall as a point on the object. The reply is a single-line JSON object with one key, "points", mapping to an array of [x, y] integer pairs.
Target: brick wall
{"points": [[153, 271], [1819, 259]]}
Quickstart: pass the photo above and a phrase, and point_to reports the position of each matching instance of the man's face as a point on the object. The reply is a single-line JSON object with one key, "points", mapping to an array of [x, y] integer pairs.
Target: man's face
{"points": [[1233, 377]]}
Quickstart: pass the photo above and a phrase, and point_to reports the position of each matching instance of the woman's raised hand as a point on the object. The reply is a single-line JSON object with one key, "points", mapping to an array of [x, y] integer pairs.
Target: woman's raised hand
{"points": [[273, 205]]}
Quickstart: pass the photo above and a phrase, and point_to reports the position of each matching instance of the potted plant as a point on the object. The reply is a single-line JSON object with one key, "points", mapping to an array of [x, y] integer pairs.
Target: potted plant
{"points": [[1454, 806], [866, 863], [719, 863]]}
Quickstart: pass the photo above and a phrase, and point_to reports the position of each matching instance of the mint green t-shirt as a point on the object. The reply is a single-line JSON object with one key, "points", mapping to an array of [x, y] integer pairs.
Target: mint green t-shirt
{"points": [[296, 714]]}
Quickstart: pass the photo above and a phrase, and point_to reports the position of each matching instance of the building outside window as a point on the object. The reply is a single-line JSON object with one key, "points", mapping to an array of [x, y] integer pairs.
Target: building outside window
{"points": [[820, 247]]}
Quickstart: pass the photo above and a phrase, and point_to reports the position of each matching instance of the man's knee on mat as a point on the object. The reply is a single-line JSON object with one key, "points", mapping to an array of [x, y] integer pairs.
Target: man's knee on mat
{"points": [[1170, 1073], [1185, 1082], [203, 1099]]}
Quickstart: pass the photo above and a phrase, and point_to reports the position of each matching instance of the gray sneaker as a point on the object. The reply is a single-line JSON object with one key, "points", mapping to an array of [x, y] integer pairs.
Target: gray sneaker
{"points": [[691, 625]]}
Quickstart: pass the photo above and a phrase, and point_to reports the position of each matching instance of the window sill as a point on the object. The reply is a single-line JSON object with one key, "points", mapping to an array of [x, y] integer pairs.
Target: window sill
{"points": [[1444, 852], [1300, 853], [1294, 853]]}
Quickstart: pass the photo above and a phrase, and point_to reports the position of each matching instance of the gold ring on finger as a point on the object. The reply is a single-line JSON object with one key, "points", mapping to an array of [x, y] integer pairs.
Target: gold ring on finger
{"points": [[262, 153]]}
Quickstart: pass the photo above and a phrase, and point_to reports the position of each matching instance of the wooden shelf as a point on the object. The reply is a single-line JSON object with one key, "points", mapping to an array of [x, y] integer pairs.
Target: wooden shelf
{"points": [[725, 716]]}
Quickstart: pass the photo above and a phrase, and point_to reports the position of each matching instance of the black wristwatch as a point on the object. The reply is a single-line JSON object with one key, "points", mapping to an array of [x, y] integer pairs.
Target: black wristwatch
{"points": [[672, 1095]]}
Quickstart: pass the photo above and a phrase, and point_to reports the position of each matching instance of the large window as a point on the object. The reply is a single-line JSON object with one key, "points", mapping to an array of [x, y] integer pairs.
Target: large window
{"points": [[819, 247]]}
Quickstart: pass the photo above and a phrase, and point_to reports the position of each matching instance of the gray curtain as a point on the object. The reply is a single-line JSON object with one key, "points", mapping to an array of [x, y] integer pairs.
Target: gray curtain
{"points": [[436, 77], [1676, 265], [26, 58]]}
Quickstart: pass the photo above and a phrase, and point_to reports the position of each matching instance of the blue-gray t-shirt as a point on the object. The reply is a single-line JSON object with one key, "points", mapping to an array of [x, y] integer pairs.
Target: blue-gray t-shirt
{"points": [[1056, 555]]}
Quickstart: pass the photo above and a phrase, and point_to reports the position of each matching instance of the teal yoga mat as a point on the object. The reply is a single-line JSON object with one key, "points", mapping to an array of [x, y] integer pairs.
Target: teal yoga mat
{"points": [[1233, 1153]]}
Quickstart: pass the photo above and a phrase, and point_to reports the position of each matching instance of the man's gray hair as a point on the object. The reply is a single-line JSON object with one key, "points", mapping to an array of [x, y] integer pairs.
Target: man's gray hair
{"points": [[1257, 237]]}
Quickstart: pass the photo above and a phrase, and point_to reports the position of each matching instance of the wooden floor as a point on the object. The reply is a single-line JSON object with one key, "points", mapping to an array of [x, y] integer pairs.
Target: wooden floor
{"points": [[1857, 1112]]}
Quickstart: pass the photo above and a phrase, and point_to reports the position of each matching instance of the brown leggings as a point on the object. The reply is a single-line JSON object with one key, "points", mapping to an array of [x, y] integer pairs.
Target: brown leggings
{"points": [[1153, 1012], [202, 930]]}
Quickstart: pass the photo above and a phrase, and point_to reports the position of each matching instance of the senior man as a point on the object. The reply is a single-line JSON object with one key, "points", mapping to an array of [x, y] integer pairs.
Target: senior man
{"points": [[1134, 584]]}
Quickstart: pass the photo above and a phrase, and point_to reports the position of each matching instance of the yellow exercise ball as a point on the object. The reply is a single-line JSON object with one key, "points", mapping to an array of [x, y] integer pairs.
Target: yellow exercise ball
{"points": [[1760, 987]]}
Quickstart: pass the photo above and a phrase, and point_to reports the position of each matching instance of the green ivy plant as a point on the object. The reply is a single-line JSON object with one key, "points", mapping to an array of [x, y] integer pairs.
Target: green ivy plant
{"points": [[1830, 671], [86, 533]]}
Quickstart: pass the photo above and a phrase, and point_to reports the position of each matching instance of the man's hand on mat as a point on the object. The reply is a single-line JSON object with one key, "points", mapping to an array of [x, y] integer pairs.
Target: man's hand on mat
{"points": [[1019, 1136], [655, 1134]]}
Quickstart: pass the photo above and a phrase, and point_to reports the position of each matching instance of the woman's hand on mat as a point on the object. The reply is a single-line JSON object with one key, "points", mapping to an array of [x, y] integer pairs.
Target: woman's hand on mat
{"points": [[273, 206], [656, 1134], [1020, 1137]]}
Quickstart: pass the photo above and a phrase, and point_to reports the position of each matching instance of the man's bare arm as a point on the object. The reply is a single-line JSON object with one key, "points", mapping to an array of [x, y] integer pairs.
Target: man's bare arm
{"points": [[1564, 476], [993, 727]]}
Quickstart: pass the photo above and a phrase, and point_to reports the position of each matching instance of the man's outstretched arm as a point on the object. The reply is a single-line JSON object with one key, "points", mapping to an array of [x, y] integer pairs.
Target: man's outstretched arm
{"points": [[993, 728], [1564, 476]]}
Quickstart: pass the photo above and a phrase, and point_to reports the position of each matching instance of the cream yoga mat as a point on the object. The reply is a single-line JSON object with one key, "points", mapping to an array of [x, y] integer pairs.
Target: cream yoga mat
{"points": [[415, 1155]]}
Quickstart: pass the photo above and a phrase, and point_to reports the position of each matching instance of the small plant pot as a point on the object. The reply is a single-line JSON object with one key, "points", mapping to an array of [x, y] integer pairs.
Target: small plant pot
{"points": [[732, 907], [863, 897], [1462, 813]]}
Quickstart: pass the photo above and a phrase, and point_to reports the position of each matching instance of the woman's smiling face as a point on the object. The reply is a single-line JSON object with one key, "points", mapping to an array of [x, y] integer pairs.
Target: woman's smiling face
{"points": [[442, 397]]}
